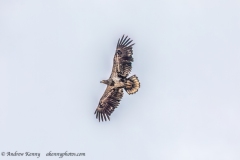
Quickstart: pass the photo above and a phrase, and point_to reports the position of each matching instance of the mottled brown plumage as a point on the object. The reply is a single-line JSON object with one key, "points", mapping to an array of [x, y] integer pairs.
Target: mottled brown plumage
{"points": [[122, 66]]}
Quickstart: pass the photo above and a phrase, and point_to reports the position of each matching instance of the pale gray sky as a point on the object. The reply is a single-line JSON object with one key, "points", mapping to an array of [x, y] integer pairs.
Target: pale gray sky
{"points": [[54, 53]]}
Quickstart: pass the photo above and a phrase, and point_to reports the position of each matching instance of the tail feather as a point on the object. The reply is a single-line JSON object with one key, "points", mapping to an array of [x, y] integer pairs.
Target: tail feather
{"points": [[132, 84]]}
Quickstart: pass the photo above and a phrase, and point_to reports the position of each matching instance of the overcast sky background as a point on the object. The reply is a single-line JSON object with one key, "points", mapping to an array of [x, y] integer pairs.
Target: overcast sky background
{"points": [[53, 54]]}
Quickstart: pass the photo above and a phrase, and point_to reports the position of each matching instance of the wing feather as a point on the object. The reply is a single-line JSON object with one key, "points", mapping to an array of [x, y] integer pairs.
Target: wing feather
{"points": [[101, 116], [125, 43], [122, 62], [121, 40], [109, 101]]}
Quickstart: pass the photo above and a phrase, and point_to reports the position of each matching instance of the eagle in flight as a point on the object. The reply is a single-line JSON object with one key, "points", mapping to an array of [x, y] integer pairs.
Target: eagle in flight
{"points": [[118, 80]]}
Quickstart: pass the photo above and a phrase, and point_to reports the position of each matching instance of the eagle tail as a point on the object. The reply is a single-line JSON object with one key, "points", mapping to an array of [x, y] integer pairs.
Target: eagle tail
{"points": [[132, 84]]}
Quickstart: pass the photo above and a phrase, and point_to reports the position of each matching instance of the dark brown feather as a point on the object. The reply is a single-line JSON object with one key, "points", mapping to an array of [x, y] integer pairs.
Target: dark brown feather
{"points": [[123, 61], [121, 40], [109, 101], [124, 40], [125, 43]]}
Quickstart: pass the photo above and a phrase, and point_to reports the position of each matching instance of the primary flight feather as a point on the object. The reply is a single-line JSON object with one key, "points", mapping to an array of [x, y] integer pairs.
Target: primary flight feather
{"points": [[122, 65]]}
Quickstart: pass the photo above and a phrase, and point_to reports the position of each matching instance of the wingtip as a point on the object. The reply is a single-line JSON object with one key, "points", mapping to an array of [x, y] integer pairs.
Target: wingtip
{"points": [[121, 39], [131, 45], [124, 41]]}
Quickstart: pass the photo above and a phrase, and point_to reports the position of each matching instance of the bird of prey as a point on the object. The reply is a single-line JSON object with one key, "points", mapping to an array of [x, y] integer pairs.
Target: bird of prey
{"points": [[118, 80]]}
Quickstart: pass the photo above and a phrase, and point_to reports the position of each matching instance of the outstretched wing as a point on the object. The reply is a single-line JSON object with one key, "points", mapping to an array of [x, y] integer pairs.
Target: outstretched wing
{"points": [[109, 101], [122, 62]]}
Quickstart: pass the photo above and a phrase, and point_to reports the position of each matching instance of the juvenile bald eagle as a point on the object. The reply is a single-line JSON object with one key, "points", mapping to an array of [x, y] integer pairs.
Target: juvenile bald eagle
{"points": [[122, 65]]}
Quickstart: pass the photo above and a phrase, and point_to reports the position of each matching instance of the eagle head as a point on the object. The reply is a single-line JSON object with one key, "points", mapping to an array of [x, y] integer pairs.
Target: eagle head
{"points": [[109, 82], [104, 81]]}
